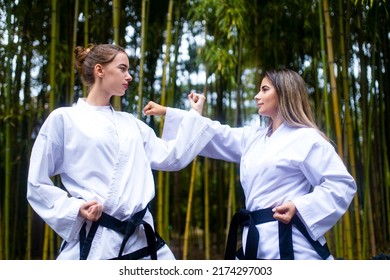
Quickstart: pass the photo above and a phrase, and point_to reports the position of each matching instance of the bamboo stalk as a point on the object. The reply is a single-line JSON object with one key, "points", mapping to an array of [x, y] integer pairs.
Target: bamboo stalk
{"points": [[189, 210], [29, 233], [160, 189], [348, 126], [206, 210], [144, 25], [86, 35], [2, 243], [53, 43], [325, 69], [72, 55], [333, 86], [231, 198], [166, 208], [116, 20], [46, 244], [7, 148]]}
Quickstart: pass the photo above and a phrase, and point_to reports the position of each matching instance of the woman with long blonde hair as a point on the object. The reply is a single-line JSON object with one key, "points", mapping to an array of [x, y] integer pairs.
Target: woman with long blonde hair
{"points": [[295, 184]]}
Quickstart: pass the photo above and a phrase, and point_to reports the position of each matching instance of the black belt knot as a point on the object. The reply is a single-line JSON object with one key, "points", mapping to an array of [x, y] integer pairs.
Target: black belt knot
{"points": [[242, 218], [127, 228], [245, 218]]}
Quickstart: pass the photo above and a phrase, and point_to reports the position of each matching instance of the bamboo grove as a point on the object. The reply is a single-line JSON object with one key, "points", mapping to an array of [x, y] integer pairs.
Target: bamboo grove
{"points": [[341, 48]]}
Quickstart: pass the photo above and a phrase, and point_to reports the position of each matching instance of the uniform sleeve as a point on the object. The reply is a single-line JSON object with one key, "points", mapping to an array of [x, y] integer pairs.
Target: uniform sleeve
{"points": [[50, 202], [172, 121], [333, 189], [193, 133], [226, 144]]}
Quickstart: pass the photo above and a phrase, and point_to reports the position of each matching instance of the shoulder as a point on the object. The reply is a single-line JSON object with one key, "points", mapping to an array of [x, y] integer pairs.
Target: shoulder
{"points": [[59, 114], [55, 123], [307, 134], [61, 111], [306, 140], [302, 136]]}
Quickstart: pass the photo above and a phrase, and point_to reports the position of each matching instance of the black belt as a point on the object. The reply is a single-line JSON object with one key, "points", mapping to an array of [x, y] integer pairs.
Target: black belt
{"points": [[251, 219], [143, 252], [126, 228]]}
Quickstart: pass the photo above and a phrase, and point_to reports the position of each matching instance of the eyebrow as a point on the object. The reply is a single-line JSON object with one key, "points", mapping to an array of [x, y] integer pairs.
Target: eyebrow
{"points": [[123, 65]]}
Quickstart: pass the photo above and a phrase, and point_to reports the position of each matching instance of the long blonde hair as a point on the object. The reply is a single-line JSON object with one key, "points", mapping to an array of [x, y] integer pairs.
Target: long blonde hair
{"points": [[293, 104]]}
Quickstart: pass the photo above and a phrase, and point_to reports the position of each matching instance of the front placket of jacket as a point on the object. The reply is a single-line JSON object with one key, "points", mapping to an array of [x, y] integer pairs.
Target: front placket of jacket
{"points": [[124, 150]]}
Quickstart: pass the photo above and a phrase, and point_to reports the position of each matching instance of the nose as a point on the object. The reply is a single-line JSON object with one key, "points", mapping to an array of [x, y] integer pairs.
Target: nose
{"points": [[257, 96], [129, 78]]}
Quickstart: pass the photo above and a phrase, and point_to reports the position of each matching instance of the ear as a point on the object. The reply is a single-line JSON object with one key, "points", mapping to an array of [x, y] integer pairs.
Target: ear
{"points": [[99, 70]]}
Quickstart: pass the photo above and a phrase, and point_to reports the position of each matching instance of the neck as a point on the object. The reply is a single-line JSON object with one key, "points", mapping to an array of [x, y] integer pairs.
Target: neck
{"points": [[96, 99], [276, 123], [275, 126]]}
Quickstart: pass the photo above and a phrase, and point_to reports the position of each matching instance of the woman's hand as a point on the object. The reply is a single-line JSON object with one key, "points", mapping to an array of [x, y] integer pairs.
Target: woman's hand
{"points": [[154, 109], [91, 210], [197, 101], [285, 212]]}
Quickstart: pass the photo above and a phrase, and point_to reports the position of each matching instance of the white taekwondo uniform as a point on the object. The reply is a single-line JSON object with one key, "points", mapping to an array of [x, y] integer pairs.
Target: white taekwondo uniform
{"points": [[293, 164], [104, 155]]}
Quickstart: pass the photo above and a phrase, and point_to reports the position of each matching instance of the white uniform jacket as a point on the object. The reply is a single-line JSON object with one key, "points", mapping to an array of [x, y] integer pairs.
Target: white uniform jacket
{"points": [[104, 155], [293, 164]]}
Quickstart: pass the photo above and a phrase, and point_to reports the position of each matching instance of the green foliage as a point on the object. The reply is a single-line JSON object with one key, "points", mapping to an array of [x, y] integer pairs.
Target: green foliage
{"points": [[233, 43]]}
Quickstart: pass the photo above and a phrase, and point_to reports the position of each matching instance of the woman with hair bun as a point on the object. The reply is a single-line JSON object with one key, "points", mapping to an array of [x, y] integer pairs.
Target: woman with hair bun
{"points": [[105, 160]]}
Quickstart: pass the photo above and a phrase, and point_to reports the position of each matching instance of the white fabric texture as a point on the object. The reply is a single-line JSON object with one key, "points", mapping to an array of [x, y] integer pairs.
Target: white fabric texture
{"points": [[293, 164], [104, 155]]}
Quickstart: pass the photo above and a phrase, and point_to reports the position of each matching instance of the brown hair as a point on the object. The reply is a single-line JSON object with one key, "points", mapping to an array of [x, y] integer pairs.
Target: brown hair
{"points": [[87, 58], [293, 105]]}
